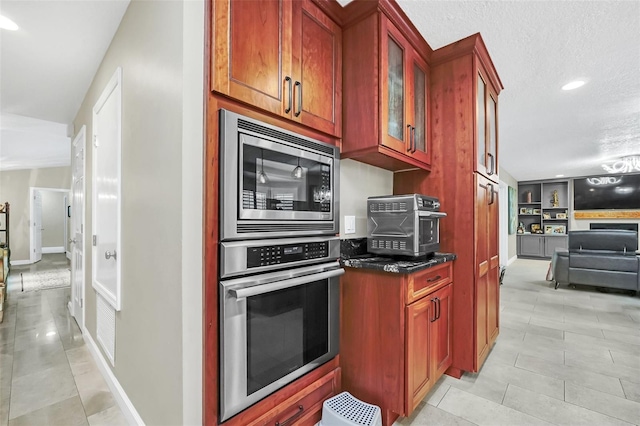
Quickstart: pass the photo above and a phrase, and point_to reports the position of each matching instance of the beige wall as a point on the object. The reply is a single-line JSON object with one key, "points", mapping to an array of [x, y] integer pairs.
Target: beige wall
{"points": [[513, 248], [53, 218], [357, 182], [151, 351], [14, 188]]}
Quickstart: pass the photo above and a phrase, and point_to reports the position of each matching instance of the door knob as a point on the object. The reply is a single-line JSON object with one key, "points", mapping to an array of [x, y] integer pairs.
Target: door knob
{"points": [[108, 255]]}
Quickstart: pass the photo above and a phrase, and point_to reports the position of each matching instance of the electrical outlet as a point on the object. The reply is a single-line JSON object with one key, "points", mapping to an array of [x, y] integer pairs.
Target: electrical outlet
{"points": [[349, 224]]}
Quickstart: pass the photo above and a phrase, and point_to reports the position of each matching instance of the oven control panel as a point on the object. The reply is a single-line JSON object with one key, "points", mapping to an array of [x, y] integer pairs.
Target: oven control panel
{"points": [[285, 253]]}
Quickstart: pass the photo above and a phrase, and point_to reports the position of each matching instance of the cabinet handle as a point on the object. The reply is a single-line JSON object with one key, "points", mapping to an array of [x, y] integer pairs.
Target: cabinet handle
{"points": [[493, 164], [492, 199], [432, 279], [438, 307], [413, 139], [287, 79], [409, 135], [435, 310], [298, 86], [292, 418]]}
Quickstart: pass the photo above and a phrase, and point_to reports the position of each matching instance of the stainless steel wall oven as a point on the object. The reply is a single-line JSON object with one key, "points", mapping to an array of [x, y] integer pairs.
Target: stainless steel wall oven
{"points": [[275, 183], [279, 274]]}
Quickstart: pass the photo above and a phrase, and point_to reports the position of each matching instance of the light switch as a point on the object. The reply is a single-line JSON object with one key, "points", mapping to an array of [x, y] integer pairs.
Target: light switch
{"points": [[349, 224]]}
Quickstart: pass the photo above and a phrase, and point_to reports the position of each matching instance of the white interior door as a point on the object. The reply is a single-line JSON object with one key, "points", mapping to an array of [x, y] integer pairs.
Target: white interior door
{"points": [[107, 114], [77, 228], [37, 226]]}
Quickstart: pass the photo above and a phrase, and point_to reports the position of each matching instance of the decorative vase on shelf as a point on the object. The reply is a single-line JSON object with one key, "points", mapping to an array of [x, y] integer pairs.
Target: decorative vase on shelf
{"points": [[528, 196]]}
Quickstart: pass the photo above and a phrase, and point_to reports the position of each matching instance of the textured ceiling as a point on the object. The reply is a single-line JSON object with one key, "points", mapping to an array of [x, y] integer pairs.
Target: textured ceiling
{"points": [[46, 68], [537, 47]]}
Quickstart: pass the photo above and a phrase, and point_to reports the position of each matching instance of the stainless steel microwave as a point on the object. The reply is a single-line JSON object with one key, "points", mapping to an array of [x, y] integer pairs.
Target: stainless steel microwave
{"points": [[403, 225], [275, 183]]}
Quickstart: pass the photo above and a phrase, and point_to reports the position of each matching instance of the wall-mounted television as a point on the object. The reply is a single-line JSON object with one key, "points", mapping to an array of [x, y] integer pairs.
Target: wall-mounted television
{"points": [[607, 192]]}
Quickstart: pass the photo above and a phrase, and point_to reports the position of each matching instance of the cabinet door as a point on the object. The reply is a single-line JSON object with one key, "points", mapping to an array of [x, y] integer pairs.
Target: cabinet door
{"points": [[393, 57], [482, 267], [552, 243], [419, 379], [481, 124], [493, 278], [418, 117], [317, 69], [531, 245], [492, 139], [441, 335], [252, 52]]}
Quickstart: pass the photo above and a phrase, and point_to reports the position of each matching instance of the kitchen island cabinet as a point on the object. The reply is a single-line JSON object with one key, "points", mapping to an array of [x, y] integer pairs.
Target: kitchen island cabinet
{"points": [[395, 337], [386, 88], [282, 56]]}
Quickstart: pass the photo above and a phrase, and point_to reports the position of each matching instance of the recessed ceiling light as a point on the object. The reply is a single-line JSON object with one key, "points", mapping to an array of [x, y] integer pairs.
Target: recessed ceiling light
{"points": [[7, 24], [573, 85], [559, 175]]}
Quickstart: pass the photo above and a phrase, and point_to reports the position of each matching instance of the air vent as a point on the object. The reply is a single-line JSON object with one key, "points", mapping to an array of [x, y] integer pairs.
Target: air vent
{"points": [[388, 207], [284, 227], [281, 136]]}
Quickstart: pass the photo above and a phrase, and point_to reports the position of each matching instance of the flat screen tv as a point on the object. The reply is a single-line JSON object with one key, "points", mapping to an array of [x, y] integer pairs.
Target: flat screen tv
{"points": [[607, 192]]}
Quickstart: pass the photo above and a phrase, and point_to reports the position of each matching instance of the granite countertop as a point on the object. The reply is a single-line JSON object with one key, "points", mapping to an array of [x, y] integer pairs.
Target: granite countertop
{"points": [[353, 254]]}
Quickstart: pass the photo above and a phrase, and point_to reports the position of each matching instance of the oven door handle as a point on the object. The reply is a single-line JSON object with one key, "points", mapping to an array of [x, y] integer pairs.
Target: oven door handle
{"points": [[422, 213], [256, 290]]}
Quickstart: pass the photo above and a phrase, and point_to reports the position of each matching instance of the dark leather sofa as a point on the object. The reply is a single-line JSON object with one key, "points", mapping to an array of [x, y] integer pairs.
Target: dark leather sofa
{"points": [[601, 258]]}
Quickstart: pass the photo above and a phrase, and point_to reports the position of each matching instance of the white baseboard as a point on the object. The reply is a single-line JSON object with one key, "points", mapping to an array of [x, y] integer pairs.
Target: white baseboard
{"points": [[125, 404], [20, 262], [513, 259], [47, 250]]}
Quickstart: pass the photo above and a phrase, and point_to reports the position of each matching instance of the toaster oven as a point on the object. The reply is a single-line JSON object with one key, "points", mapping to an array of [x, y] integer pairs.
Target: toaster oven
{"points": [[403, 225]]}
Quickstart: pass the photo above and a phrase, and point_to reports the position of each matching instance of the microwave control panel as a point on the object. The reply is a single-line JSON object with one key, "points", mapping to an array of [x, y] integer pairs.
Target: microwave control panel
{"points": [[286, 253]]}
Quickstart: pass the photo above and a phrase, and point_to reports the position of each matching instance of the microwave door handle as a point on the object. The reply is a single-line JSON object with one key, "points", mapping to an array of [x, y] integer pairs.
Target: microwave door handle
{"points": [[256, 290]]}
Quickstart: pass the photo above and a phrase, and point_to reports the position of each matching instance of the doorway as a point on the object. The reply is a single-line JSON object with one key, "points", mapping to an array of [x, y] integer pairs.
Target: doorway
{"points": [[77, 243], [49, 222]]}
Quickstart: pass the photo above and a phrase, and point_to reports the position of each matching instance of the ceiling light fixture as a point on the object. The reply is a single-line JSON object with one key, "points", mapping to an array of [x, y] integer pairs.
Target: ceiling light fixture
{"points": [[627, 164], [559, 175], [7, 24], [573, 85], [297, 171]]}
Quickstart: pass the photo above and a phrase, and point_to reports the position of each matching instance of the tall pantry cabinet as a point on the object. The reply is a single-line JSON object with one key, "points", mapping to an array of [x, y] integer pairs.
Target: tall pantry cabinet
{"points": [[464, 113]]}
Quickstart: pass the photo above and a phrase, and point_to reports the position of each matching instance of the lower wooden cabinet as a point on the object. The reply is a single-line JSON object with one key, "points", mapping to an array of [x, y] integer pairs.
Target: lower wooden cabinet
{"points": [[395, 337]]}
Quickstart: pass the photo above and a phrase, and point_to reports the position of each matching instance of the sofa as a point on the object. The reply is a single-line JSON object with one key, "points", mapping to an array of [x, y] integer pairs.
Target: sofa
{"points": [[603, 258]]}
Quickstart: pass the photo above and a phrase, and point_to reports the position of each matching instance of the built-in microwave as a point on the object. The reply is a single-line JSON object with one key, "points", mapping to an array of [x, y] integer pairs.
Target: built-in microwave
{"points": [[275, 183]]}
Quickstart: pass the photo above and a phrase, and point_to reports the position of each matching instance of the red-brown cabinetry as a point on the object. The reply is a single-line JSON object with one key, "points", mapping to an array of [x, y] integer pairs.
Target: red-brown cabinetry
{"points": [[386, 88], [395, 338], [282, 56], [463, 132]]}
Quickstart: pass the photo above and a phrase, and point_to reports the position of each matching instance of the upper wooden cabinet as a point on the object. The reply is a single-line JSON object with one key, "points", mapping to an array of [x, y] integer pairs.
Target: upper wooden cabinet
{"points": [[464, 92], [282, 56], [386, 88]]}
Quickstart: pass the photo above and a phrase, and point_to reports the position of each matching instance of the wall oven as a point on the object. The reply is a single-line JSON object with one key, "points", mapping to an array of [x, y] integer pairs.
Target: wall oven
{"points": [[275, 327], [275, 183]]}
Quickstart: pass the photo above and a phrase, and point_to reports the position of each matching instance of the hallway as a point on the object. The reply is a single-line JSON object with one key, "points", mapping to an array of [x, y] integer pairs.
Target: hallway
{"points": [[47, 374]]}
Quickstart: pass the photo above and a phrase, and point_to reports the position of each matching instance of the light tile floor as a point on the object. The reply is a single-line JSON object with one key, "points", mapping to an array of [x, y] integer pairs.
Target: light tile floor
{"points": [[566, 357], [47, 375]]}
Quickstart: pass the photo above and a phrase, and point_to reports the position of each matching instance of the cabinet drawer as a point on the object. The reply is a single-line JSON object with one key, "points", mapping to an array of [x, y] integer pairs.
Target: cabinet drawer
{"points": [[423, 282], [305, 407]]}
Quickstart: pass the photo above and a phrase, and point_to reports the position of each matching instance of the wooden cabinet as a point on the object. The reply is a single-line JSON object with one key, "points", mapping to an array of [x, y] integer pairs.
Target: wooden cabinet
{"points": [[486, 126], [468, 194], [386, 88], [540, 246], [282, 56], [395, 339]]}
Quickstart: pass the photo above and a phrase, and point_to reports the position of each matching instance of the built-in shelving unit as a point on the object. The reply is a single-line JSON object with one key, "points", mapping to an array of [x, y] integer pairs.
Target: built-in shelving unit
{"points": [[543, 217]]}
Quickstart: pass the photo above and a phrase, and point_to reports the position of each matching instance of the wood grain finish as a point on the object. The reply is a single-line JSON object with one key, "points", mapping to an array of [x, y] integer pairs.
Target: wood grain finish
{"points": [[608, 215], [391, 351], [282, 56], [378, 104], [469, 230]]}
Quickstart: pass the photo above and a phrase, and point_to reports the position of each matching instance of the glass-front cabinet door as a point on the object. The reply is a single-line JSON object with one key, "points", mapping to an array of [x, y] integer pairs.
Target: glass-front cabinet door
{"points": [[487, 129], [404, 96]]}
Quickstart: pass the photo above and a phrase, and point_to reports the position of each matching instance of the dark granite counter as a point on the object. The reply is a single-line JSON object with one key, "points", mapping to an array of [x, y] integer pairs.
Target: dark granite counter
{"points": [[353, 254]]}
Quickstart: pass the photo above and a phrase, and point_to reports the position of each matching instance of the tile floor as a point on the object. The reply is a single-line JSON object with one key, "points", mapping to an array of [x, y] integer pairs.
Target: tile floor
{"points": [[47, 375], [566, 357]]}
